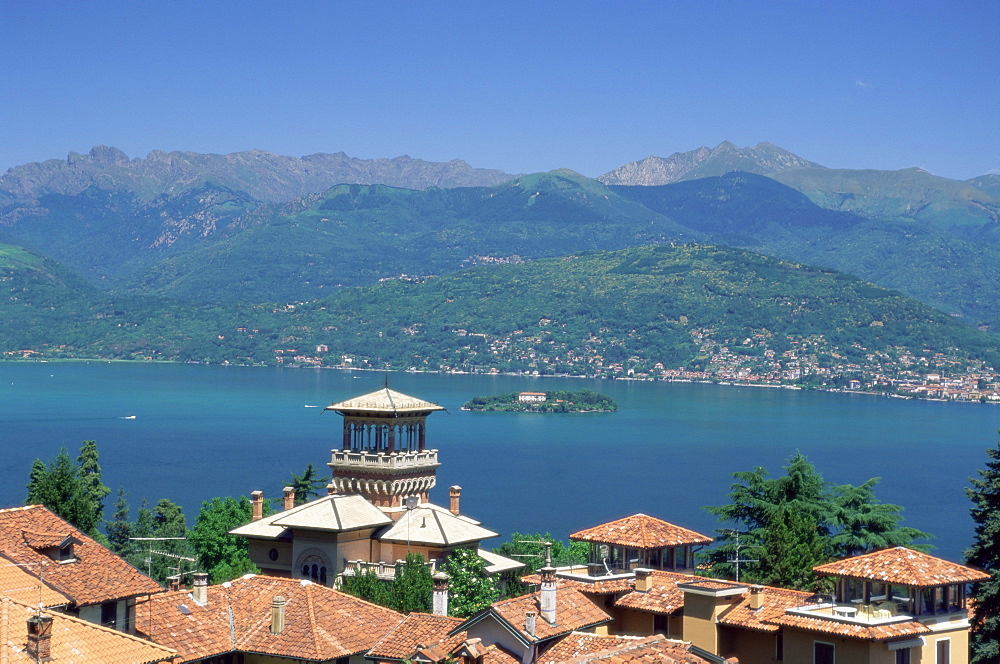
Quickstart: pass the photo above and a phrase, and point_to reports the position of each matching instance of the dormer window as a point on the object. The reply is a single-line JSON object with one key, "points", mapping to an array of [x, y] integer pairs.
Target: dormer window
{"points": [[65, 554], [58, 547]]}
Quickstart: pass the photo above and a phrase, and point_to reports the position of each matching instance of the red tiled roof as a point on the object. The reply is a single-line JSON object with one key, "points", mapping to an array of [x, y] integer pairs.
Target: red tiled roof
{"points": [[902, 566], [775, 601], [74, 640], [853, 630], [97, 575], [416, 628], [606, 587], [655, 649], [574, 611], [18, 584], [320, 623], [663, 596], [640, 531]]}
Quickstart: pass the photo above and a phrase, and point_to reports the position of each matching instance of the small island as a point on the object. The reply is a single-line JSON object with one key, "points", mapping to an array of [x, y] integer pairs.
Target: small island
{"points": [[560, 401]]}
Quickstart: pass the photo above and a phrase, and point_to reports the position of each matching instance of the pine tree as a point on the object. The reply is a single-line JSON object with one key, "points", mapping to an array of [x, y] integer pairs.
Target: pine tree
{"points": [[985, 555], [413, 587], [90, 479], [307, 485], [793, 545], [119, 529]]}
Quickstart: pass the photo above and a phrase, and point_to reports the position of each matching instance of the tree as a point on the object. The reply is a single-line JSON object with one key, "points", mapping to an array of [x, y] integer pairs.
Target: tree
{"points": [[368, 587], [470, 588], [525, 548], [799, 520], [58, 487], [222, 555], [119, 529], [985, 555], [90, 478], [307, 485], [413, 587]]}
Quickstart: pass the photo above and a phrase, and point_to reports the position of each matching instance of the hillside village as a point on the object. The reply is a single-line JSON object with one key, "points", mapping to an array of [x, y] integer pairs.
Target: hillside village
{"points": [[640, 598]]}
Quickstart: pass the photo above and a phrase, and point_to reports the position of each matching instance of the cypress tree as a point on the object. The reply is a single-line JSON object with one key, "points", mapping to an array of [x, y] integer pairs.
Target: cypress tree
{"points": [[985, 555]]}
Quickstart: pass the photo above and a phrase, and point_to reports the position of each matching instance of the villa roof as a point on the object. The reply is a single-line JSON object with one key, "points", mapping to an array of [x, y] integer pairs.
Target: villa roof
{"points": [[775, 601], [578, 648], [416, 628], [94, 576], [663, 596], [902, 566], [385, 401], [436, 526], [882, 632], [641, 531], [335, 513], [20, 585], [574, 611], [74, 640], [320, 623]]}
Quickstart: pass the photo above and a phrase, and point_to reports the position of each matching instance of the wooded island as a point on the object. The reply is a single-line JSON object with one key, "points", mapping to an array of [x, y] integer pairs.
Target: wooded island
{"points": [[560, 401]]}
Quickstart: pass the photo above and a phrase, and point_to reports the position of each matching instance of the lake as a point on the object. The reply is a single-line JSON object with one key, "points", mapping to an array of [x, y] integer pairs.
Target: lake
{"points": [[205, 431]]}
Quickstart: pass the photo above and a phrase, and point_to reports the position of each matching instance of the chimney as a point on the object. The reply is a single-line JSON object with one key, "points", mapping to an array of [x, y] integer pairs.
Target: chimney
{"points": [[39, 637], [331, 489], [289, 497], [756, 597], [277, 614], [455, 494], [257, 501], [529, 622], [199, 593], [548, 599], [174, 582], [441, 594], [643, 579]]}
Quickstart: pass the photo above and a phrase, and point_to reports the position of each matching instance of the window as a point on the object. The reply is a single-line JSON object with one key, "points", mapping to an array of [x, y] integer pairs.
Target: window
{"points": [[109, 614], [823, 653], [943, 651], [903, 656], [779, 646]]}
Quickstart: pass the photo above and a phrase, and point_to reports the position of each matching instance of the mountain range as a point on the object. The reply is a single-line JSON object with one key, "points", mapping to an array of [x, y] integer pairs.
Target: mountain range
{"points": [[254, 227]]}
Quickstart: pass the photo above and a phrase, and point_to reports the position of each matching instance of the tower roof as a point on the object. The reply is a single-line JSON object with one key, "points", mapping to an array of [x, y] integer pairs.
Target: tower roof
{"points": [[640, 531], [385, 401], [904, 567]]}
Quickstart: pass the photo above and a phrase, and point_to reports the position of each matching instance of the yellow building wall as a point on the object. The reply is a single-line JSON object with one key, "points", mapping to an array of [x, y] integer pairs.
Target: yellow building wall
{"points": [[749, 646], [633, 623], [699, 621], [959, 646]]}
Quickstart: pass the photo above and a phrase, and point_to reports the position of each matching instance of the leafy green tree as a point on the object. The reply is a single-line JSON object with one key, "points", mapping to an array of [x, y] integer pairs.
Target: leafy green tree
{"points": [[413, 586], [119, 529], [368, 587], [985, 555], [792, 546], [222, 555], [525, 548], [470, 588], [862, 523]]}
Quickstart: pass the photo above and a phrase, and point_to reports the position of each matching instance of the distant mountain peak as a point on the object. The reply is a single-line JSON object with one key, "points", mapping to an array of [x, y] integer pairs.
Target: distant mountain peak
{"points": [[763, 159]]}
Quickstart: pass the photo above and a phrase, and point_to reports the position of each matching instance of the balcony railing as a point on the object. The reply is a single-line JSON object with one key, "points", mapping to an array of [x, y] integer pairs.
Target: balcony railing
{"points": [[384, 461]]}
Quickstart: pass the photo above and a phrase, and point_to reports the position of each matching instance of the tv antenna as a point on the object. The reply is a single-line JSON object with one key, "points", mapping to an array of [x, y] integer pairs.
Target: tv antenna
{"points": [[735, 559], [548, 551], [150, 552]]}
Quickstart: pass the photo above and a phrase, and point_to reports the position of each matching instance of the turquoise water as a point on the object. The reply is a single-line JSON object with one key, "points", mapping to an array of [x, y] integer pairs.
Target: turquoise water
{"points": [[203, 431]]}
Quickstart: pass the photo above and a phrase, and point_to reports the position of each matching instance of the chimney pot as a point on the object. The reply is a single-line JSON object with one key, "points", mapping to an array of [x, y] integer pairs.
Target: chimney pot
{"points": [[257, 503], [331, 489], [455, 493], [289, 497], [756, 598], [277, 614], [440, 594], [529, 622], [548, 595], [199, 593], [39, 637]]}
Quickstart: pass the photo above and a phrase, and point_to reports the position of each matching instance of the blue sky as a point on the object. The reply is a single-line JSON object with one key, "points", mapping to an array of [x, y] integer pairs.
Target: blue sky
{"points": [[518, 86]]}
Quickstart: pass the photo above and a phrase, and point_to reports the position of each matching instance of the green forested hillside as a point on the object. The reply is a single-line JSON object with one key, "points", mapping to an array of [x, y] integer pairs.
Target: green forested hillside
{"points": [[575, 314]]}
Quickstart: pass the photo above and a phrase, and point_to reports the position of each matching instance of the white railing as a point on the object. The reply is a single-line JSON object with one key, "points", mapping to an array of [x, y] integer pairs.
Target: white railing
{"points": [[394, 461], [384, 571]]}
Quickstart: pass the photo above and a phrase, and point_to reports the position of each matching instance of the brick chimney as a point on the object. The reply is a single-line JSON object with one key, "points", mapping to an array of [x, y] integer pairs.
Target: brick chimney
{"points": [[529, 622], [277, 614], [289, 497], [548, 595], [455, 493], [331, 489], [756, 598], [257, 502], [441, 594], [39, 637], [643, 579], [199, 593]]}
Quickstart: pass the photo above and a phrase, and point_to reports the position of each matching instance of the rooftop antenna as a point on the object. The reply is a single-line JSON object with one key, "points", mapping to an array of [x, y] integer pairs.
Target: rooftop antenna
{"points": [[736, 560], [548, 551], [150, 552]]}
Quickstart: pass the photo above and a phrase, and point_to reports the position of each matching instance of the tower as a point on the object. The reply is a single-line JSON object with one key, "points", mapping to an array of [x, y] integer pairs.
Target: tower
{"points": [[383, 455]]}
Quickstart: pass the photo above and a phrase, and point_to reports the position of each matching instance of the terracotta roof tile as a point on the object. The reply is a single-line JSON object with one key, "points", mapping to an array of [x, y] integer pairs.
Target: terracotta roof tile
{"points": [[320, 623], [74, 641], [22, 586], [663, 596], [574, 611], [97, 575], [654, 649], [775, 602], [640, 531], [853, 630], [904, 567], [414, 629], [596, 587]]}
